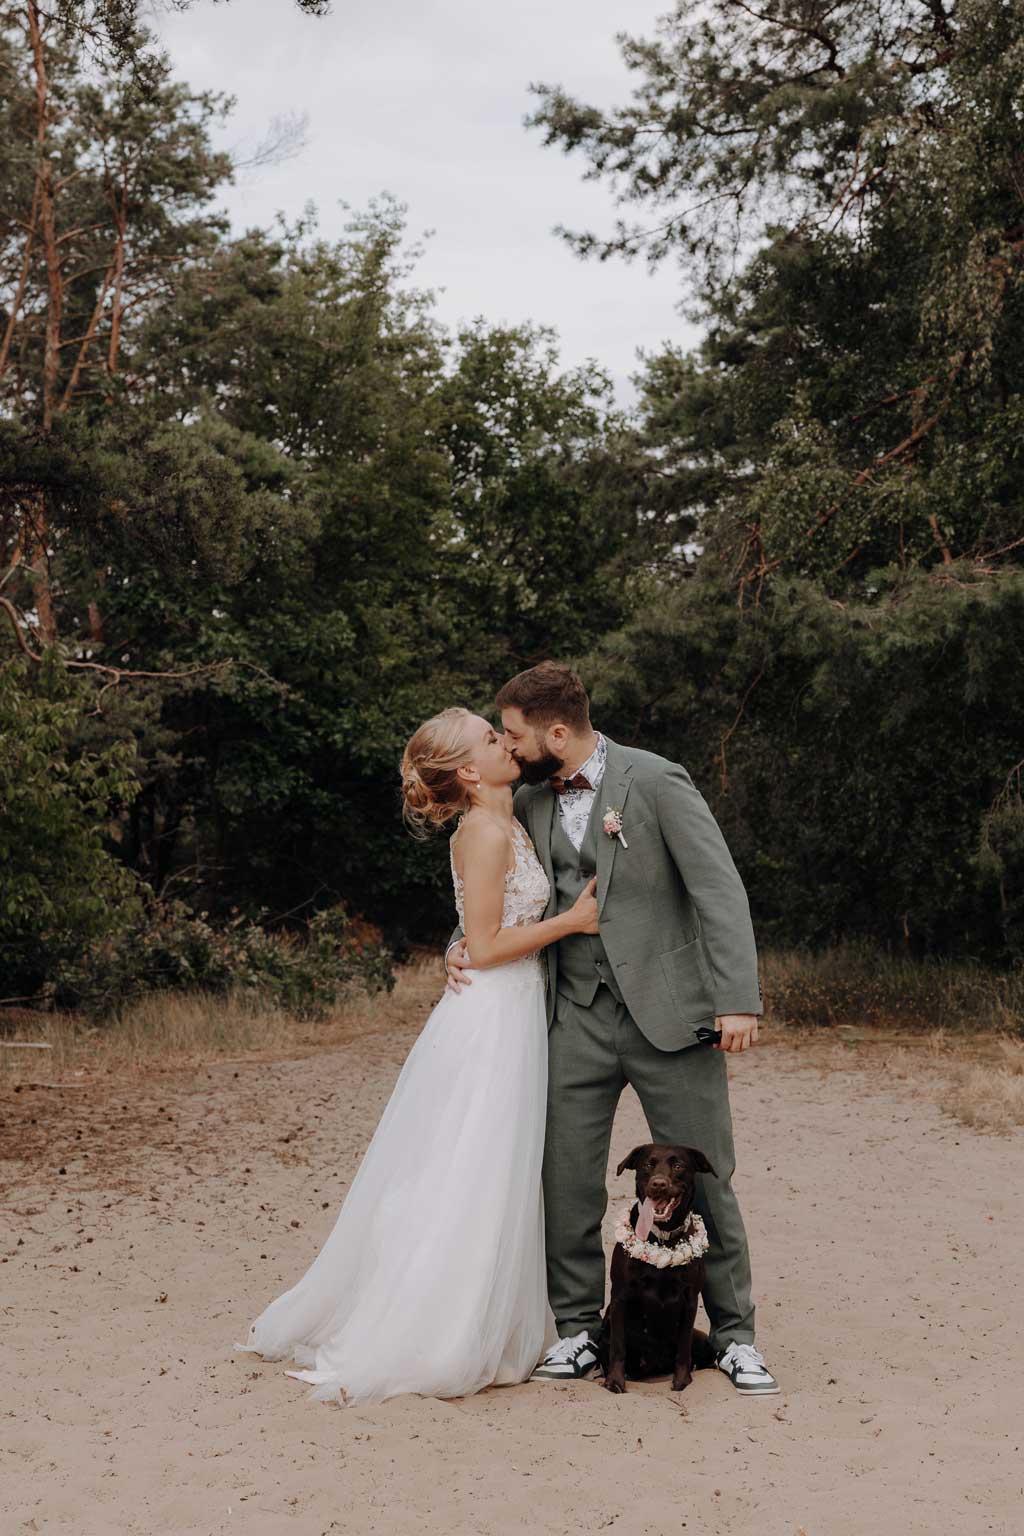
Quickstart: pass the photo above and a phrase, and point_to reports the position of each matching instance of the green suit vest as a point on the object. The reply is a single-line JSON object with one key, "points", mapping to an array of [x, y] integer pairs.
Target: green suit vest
{"points": [[582, 962]]}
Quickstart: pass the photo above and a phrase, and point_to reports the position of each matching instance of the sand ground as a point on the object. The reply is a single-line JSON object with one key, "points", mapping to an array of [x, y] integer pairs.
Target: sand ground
{"points": [[144, 1222]]}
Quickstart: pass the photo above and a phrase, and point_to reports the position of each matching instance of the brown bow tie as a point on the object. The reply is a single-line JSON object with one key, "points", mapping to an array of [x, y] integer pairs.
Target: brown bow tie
{"points": [[563, 786]]}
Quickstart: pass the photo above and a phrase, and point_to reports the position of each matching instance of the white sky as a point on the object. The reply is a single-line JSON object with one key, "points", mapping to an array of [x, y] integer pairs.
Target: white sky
{"points": [[425, 99]]}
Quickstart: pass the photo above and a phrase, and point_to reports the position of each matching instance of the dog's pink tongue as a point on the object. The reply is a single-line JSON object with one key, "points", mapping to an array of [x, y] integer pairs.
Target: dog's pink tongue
{"points": [[645, 1220]]}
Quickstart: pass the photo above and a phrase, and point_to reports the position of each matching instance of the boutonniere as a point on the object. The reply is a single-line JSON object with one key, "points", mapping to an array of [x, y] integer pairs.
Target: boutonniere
{"points": [[613, 823]]}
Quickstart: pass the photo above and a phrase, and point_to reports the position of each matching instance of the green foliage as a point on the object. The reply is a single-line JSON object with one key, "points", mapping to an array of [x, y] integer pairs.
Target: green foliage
{"points": [[855, 753], [309, 517], [999, 861], [60, 888], [857, 983], [129, 174], [842, 185], [374, 517], [171, 948]]}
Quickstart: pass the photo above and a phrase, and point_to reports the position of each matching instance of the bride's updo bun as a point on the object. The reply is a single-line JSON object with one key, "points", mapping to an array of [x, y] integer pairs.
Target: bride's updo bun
{"points": [[432, 793]]}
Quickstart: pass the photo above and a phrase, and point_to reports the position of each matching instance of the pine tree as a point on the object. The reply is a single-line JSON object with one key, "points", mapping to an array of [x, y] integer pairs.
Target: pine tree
{"points": [[106, 193]]}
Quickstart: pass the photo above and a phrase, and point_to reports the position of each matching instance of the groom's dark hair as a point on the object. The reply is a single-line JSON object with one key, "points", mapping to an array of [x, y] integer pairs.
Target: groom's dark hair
{"points": [[547, 694]]}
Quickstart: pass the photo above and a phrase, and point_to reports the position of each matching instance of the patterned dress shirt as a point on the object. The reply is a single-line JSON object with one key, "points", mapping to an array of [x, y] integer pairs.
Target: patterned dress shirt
{"points": [[575, 805]]}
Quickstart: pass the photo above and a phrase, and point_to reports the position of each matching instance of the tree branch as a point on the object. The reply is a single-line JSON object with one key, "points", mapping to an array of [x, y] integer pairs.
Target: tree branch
{"points": [[118, 675]]}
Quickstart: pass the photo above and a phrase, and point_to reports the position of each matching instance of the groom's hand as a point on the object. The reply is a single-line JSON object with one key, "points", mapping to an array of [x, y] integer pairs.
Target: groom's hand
{"points": [[456, 961], [738, 1031]]}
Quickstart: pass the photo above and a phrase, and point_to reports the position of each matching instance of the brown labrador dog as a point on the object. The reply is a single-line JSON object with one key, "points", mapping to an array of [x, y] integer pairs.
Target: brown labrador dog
{"points": [[647, 1328]]}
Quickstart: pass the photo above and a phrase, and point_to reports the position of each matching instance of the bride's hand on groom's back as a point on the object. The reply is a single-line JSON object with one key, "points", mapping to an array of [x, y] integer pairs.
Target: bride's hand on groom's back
{"points": [[584, 909], [456, 963]]}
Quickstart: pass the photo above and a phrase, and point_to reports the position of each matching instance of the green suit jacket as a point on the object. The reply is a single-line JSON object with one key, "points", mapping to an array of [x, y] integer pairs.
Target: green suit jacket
{"points": [[673, 915]]}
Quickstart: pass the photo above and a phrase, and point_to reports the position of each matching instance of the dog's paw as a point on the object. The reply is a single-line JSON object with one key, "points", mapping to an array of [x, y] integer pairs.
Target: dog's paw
{"points": [[614, 1384], [680, 1383]]}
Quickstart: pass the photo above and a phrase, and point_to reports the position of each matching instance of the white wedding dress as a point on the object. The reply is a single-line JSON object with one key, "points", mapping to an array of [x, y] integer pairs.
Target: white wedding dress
{"points": [[432, 1279]]}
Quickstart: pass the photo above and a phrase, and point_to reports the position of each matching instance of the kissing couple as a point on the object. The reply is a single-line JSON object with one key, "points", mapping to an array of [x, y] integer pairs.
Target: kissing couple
{"points": [[604, 933]]}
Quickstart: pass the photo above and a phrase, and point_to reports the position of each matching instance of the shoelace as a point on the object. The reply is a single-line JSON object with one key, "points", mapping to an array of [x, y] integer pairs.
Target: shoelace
{"points": [[748, 1358], [565, 1349]]}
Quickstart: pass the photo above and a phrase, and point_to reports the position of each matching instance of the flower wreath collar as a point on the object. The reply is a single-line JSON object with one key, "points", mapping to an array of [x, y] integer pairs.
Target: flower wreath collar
{"points": [[692, 1245]]}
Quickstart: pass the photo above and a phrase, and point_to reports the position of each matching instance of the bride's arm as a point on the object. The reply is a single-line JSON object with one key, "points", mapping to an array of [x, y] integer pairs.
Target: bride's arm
{"points": [[485, 860]]}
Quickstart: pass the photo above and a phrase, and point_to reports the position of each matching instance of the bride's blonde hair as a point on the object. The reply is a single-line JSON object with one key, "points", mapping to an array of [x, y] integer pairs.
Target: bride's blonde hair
{"points": [[432, 792]]}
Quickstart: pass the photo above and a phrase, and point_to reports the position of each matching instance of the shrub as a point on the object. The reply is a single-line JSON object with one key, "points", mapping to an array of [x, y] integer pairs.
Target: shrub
{"points": [[173, 948], [858, 983], [60, 887]]}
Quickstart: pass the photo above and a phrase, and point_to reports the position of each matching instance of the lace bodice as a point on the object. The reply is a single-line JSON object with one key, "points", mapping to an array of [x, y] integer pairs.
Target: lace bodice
{"points": [[526, 884]]}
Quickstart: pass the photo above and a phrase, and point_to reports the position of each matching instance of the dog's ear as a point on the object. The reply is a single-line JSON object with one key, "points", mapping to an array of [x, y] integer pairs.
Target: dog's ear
{"points": [[700, 1162], [633, 1158]]}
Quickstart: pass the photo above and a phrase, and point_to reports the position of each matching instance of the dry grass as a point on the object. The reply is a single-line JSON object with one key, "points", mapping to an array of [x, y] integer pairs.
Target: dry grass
{"points": [[978, 1080], [891, 1007], [989, 1095], [174, 1029], [949, 1031], [859, 985]]}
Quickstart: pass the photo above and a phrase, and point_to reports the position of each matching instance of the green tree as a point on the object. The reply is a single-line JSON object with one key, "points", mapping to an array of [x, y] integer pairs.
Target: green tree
{"points": [[841, 186], [436, 500], [60, 888], [105, 194], [540, 537], [858, 755]]}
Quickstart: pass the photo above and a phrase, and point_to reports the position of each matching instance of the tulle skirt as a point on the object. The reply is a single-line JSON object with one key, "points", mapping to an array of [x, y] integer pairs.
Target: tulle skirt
{"points": [[432, 1279]]}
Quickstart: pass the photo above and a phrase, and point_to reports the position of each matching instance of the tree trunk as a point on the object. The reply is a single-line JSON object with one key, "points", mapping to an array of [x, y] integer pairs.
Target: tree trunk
{"points": [[47, 226], [117, 311], [39, 554], [23, 275]]}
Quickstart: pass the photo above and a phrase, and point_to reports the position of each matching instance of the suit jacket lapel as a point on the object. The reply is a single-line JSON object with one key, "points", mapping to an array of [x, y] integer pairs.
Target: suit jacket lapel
{"points": [[611, 793], [540, 813]]}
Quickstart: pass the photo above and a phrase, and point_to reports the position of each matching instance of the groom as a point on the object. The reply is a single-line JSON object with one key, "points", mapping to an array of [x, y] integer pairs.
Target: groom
{"points": [[675, 955]]}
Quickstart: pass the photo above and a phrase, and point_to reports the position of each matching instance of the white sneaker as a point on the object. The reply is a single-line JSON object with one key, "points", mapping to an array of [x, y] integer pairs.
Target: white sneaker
{"points": [[568, 1360], [744, 1365]]}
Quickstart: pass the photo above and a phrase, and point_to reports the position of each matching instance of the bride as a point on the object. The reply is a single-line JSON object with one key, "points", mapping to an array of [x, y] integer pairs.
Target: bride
{"points": [[432, 1279]]}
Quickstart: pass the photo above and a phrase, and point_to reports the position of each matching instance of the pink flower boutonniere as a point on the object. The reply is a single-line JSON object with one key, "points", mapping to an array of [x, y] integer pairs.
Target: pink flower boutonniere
{"points": [[613, 823]]}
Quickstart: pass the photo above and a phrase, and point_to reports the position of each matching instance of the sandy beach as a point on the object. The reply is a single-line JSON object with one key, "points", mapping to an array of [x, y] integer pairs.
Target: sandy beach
{"points": [[144, 1221]]}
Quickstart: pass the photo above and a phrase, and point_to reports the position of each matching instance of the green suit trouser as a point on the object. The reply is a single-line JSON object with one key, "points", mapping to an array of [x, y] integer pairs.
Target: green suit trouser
{"points": [[593, 1053]]}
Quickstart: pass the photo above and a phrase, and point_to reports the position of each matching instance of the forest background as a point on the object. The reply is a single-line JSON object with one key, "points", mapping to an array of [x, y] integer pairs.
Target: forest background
{"points": [[261, 514]]}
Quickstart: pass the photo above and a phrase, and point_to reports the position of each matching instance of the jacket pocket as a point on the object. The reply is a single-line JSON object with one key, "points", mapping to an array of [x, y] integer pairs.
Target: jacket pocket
{"points": [[688, 976]]}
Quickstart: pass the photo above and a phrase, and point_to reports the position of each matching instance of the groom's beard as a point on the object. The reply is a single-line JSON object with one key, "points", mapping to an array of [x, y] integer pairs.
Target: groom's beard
{"points": [[541, 769]]}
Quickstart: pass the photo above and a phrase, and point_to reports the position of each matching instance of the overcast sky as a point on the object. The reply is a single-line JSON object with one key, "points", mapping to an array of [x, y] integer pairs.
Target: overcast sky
{"points": [[425, 99]]}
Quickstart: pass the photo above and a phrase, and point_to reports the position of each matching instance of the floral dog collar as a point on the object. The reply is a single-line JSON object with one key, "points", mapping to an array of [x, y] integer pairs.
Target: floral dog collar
{"points": [[693, 1245]]}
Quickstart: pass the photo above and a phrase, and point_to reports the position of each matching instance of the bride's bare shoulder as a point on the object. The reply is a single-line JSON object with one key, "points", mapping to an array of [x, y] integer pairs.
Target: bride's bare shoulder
{"points": [[482, 840]]}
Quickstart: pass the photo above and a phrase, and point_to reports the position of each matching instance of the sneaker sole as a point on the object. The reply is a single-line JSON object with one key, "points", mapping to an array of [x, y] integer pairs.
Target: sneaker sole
{"points": [[753, 1389], [549, 1375]]}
